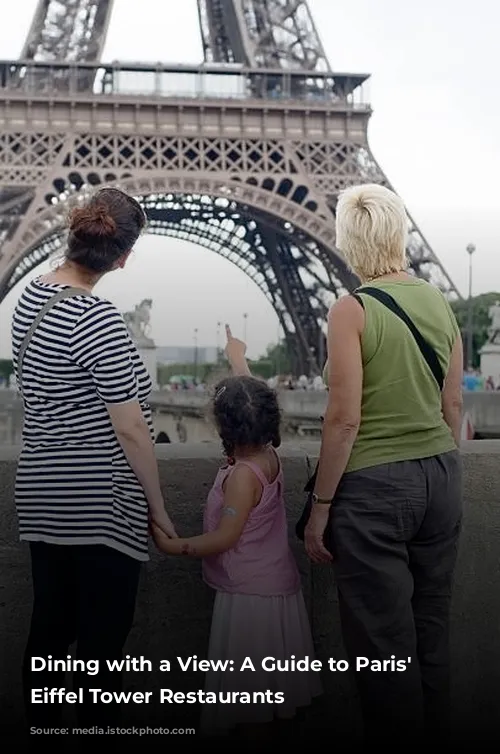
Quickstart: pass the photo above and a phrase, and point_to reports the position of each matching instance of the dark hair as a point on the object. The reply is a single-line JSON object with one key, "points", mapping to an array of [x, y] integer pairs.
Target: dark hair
{"points": [[247, 414], [104, 229]]}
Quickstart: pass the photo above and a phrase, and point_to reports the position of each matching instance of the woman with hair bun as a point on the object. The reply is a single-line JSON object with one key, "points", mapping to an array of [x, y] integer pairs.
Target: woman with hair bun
{"points": [[87, 480]]}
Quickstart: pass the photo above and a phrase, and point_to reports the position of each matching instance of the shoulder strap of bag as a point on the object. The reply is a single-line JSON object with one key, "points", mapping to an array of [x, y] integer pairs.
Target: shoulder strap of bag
{"points": [[59, 296], [426, 349]]}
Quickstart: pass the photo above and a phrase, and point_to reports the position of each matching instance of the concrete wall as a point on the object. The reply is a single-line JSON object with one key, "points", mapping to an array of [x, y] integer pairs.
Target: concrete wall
{"points": [[197, 430], [298, 404], [484, 410], [174, 607], [301, 411]]}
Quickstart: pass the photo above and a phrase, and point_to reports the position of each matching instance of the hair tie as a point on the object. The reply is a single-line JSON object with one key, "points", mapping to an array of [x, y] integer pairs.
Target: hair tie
{"points": [[220, 392]]}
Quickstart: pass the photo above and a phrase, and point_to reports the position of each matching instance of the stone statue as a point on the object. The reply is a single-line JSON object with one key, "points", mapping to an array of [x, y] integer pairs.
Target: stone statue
{"points": [[494, 329], [138, 323]]}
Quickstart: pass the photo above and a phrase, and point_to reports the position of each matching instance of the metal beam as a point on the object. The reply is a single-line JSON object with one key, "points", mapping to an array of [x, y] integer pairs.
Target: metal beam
{"points": [[71, 31], [261, 34]]}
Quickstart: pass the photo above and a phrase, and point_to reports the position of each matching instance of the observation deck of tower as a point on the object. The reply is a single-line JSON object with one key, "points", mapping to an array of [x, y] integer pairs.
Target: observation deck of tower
{"points": [[244, 154]]}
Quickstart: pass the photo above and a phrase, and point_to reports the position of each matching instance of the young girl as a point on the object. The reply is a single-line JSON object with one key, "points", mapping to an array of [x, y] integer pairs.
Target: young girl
{"points": [[259, 609]]}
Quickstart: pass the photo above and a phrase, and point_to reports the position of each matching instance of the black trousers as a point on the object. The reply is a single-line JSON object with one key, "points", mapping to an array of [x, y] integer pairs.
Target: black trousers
{"points": [[395, 530], [82, 593]]}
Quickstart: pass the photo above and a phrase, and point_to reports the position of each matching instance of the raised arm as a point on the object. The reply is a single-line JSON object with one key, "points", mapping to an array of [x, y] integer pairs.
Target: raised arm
{"points": [[242, 492], [235, 352]]}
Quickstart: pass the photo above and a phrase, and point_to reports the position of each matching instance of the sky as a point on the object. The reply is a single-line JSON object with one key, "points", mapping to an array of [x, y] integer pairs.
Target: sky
{"points": [[435, 127]]}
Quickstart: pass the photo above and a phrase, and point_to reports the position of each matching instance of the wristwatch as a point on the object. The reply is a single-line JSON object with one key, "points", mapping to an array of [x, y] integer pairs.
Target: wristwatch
{"points": [[320, 500]]}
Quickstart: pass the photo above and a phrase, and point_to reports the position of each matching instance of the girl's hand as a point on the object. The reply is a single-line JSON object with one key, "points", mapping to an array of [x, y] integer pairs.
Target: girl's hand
{"points": [[313, 535], [235, 352], [235, 349]]}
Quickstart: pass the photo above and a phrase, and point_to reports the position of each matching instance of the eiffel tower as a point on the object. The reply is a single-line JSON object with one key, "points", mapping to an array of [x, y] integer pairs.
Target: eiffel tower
{"points": [[244, 154]]}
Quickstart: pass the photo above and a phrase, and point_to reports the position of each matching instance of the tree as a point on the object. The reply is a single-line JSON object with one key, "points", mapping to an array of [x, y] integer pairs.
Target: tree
{"points": [[166, 371], [275, 361], [480, 321]]}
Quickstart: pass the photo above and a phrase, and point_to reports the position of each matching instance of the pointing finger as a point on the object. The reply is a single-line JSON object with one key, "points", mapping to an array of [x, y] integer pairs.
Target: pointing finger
{"points": [[228, 332]]}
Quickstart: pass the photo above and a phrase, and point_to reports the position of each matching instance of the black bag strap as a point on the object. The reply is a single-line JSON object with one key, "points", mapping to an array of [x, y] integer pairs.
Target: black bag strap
{"points": [[426, 349], [59, 296]]}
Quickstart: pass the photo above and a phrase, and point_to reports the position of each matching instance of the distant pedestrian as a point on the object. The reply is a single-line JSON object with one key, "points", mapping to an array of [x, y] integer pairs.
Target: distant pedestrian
{"points": [[390, 464]]}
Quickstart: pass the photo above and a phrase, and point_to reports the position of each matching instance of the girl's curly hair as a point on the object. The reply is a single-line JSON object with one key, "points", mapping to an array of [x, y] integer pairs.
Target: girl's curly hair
{"points": [[246, 413]]}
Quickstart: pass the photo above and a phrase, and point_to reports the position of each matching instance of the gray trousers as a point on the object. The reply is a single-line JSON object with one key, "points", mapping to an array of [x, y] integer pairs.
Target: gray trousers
{"points": [[395, 530]]}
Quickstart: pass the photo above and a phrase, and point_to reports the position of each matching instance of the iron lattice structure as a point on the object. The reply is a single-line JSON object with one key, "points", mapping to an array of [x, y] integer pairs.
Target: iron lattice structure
{"points": [[244, 154]]}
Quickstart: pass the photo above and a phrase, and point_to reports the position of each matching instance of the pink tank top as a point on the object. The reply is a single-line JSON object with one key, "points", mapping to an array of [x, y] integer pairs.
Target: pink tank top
{"points": [[261, 563]]}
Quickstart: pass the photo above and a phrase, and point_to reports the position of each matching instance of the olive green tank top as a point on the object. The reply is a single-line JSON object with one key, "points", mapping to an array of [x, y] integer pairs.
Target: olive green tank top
{"points": [[401, 414]]}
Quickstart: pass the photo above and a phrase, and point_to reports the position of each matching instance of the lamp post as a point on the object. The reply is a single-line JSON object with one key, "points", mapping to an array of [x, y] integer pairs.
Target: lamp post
{"points": [[218, 342], [196, 353], [245, 318], [470, 251]]}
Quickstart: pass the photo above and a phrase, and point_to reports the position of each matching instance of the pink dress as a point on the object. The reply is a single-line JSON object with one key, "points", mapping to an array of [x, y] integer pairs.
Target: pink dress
{"points": [[259, 612]]}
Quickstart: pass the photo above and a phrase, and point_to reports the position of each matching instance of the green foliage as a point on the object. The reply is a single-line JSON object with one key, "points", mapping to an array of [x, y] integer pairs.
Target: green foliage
{"points": [[6, 370], [276, 360], [262, 368], [202, 371], [480, 320]]}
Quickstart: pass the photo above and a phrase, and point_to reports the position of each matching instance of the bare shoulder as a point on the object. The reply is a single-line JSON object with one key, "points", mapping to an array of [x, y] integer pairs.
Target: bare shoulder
{"points": [[242, 476], [242, 489], [348, 312]]}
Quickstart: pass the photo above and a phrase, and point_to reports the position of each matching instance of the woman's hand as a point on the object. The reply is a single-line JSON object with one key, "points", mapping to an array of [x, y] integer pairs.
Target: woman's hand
{"points": [[162, 541], [161, 520], [313, 536]]}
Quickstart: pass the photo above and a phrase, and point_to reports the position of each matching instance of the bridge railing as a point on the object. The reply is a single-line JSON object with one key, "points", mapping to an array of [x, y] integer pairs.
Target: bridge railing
{"points": [[191, 82]]}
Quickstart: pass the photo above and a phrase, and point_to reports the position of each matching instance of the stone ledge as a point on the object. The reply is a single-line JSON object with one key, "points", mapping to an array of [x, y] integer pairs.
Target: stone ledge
{"points": [[288, 450]]}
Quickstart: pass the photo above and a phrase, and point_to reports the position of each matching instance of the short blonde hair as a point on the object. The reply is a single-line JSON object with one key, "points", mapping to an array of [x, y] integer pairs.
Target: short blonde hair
{"points": [[372, 230]]}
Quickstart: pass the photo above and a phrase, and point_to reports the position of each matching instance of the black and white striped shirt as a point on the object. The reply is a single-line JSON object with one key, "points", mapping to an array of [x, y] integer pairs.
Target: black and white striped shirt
{"points": [[74, 484]]}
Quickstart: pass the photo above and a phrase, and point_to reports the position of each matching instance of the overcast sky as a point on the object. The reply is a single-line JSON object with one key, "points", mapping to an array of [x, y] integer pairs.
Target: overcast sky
{"points": [[435, 127]]}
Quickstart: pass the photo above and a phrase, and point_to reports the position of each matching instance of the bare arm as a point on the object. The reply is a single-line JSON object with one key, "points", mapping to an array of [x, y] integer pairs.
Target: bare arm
{"points": [[345, 382], [342, 417], [100, 343], [451, 400], [241, 493], [133, 434]]}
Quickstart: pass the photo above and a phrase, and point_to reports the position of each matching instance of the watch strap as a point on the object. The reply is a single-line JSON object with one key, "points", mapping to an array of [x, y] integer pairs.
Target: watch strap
{"points": [[320, 500]]}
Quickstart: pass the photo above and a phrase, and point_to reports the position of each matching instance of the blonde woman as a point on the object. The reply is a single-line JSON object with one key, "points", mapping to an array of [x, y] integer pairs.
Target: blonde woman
{"points": [[388, 492]]}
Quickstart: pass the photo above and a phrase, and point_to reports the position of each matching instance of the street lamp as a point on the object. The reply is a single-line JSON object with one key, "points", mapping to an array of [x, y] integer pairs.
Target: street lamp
{"points": [[278, 346], [195, 352], [470, 251], [219, 324], [245, 318]]}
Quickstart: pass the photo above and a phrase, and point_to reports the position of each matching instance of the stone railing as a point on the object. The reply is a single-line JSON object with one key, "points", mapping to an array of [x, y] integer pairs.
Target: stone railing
{"points": [[174, 606]]}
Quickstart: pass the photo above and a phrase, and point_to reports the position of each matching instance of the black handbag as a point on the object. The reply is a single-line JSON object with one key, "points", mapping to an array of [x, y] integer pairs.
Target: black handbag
{"points": [[430, 356]]}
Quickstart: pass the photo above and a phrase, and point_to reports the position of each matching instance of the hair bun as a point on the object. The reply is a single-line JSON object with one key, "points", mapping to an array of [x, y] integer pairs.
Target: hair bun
{"points": [[93, 221]]}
